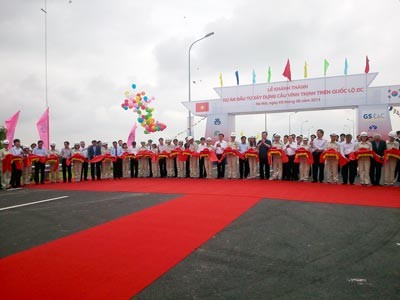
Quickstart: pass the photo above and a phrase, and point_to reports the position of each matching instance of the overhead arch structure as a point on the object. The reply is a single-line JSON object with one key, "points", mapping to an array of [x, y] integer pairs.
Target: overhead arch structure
{"points": [[337, 92]]}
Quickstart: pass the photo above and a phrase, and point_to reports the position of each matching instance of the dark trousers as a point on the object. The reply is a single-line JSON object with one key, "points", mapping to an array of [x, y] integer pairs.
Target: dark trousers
{"points": [[221, 167], [244, 168], [375, 172], [117, 168], [296, 170], [162, 163], [318, 168], [66, 170], [175, 168], [264, 168], [285, 171], [150, 168], [15, 176], [95, 170], [85, 168], [291, 172], [202, 169], [349, 171], [397, 171], [134, 168], [187, 166], [39, 168]]}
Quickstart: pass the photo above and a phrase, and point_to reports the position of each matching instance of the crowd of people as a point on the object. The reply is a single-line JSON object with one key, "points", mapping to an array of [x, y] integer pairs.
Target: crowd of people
{"points": [[291, 157]]}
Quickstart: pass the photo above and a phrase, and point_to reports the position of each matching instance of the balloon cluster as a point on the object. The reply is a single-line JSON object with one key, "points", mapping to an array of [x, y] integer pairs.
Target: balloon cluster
{"points": [[139, 103]]}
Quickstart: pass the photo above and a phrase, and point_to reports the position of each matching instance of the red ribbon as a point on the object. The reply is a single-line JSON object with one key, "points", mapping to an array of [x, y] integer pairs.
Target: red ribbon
{"points": [[395, 153], [279, 152], [76, 157], [302, 152], [335, 154], [365, 153]]}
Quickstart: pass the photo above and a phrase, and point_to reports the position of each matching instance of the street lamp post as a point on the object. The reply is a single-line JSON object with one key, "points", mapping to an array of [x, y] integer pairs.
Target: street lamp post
{"points": [[190, 94], [352, 121], [309, 129], [290, 127], [301, 128]]}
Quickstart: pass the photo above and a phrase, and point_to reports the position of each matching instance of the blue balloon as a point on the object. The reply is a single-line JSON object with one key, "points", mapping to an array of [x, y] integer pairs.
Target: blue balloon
{"points": [[133, 86], [145, 98], [140, 120]]}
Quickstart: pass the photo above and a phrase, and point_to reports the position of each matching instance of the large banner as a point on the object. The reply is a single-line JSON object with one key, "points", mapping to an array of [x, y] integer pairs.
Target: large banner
{"points": [[337, 92], [308, 94]]}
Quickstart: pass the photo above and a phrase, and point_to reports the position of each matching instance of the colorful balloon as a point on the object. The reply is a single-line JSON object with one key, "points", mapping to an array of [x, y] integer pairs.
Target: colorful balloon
{"points": [[139, 103]]}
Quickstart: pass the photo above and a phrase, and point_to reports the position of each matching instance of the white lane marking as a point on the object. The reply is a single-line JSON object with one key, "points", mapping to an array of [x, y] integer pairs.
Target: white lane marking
{"points": [[32, 203], [14, 189]]}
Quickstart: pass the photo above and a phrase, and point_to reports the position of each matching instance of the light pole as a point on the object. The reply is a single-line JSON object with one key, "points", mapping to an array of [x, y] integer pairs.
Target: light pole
{"points": [[301, 128], [190, 94], [45, 47], [290, 127], [352, 121], [309, 129], [346, 127]]}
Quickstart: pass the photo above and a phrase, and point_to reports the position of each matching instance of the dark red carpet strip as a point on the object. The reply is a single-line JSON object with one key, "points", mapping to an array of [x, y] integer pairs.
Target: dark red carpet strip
{"points": [[118, 259], [298, 191]]}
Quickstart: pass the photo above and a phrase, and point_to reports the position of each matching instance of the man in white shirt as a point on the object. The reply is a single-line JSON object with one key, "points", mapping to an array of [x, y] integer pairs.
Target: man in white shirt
{"points": [[116, 151], [134, 161], [290, 149], [244, 167], [162, 161], [39, 166], [349, 170], [85, 164], [16, 173], [5, 176], [201, 147], [220, 145], [318, 146]]}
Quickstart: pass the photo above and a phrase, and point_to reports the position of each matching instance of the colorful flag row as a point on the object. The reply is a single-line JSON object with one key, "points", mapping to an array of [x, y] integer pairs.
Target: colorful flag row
{"points": [[288, 74]]}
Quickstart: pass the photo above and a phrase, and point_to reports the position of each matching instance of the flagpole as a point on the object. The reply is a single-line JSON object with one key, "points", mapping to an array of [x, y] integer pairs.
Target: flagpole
{"points": [[45, 65]]}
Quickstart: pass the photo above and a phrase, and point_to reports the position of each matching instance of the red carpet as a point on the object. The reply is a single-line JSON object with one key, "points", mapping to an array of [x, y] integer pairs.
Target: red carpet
{"points": [[298, 191], [118, 259]]}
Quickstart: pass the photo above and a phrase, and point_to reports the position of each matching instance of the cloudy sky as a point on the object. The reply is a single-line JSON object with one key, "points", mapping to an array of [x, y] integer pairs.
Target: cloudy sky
{"points": [[97, 49]]}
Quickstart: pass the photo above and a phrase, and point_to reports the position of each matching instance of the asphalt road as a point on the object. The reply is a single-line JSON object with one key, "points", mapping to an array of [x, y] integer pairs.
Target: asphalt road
{"points": [[27, 226], [293, 250]]}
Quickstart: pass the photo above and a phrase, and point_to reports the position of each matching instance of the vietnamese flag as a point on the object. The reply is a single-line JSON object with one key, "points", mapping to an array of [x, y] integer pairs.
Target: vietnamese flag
{"points": [[202, 107], [287, 73], [366, 65]]}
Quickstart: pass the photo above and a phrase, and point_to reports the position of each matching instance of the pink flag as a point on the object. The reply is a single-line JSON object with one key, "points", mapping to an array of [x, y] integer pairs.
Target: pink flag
{"points": [[43, 128], [11, 123], [132, 135]]}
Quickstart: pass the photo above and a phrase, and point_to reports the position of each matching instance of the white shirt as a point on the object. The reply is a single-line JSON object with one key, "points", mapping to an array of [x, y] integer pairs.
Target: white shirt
{"points": [[243, 147], [222, 145], [291, 150], [134, 150], [84, 152], [201, 147], [347, 148], [319, 144], [39, 151], [16, 151]]}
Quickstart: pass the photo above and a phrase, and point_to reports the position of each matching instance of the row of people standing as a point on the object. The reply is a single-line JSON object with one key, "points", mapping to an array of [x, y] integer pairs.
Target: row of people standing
{"points": [[261, 155]]}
